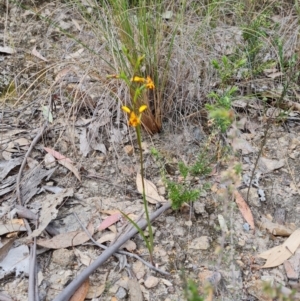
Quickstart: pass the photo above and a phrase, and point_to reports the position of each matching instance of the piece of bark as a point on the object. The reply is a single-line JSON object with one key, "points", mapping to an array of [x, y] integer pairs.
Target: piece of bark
{"points": [[275, 229], [7, 166], [31, 181]]}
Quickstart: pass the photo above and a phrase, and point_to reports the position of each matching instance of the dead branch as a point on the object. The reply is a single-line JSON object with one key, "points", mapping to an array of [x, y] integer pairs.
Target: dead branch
{"points": [[67, 293], [33, 143], [148, 264]]}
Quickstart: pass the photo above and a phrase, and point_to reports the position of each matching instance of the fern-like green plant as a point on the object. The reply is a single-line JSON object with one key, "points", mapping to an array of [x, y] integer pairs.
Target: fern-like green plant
{"points": [[201, 166], [180, 193]]}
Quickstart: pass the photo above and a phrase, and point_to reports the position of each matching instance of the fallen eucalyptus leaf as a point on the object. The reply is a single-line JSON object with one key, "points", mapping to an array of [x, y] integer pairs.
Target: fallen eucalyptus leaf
{"points": [[13, 225], [151, 192], [244, 208], [81, 292], [7, 50], [38, 55], [110, 221], [277, 255], [47, 114], [49, 211], [267, 165], [66, 162], [17, 259], [6, 246], [65, 240]]}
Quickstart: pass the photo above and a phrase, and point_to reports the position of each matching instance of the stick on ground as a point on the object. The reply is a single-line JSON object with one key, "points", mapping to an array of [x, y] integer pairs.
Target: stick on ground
{"points": [[148, 264], [67, 293], [33, 143]]}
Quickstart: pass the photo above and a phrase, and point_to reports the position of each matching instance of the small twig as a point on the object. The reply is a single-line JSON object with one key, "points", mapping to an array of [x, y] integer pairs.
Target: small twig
{"points": [[258, 157], [37, 298], [33, 143], [268, 127], [290, 78], [75, 284], [32, 273], [5, 24], [148, 264]]}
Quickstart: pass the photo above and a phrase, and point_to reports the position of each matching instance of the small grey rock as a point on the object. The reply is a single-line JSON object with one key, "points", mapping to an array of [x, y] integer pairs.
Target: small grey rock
{"points": [[151, 282], [200, 243], [261, 194], [62, 257], [170, 219], [199, 207], [121, 293], [135, 293], [179, 231], [50, 161]]}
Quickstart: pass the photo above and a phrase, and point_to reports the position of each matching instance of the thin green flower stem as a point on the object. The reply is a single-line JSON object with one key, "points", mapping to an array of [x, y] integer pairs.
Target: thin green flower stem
{"points": [[139, 138], [139, 229], [137, 93]]}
